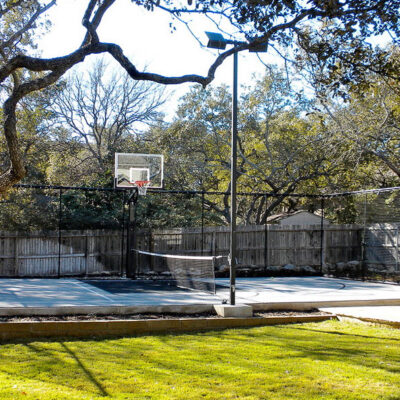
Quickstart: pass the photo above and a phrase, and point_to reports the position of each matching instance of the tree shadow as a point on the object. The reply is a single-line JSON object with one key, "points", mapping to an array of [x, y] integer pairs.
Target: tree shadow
{"points": [[343, 333], [56, 356], [90, 376]]}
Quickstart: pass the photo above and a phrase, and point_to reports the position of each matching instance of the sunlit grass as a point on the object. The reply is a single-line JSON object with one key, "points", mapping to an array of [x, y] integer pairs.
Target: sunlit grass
{"points": [[329, 360]]}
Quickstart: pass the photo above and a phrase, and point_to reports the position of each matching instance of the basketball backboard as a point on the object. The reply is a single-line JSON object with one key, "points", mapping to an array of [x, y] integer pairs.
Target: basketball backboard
{"points": [[131, 168]]}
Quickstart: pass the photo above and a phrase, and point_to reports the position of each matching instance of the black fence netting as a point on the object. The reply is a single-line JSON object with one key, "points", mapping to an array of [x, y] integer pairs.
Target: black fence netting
{"points": [[55, 232], [58, 231], [376, 215], [29, 210], [276, 235]]}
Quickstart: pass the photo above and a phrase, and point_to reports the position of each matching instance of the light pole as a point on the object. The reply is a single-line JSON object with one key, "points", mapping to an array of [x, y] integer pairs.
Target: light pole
{"points": [[217, 41]]}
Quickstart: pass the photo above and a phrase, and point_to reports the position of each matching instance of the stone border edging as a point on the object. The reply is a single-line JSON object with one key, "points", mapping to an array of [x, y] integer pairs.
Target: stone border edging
{"points": [[392, 324], [84, 329]]}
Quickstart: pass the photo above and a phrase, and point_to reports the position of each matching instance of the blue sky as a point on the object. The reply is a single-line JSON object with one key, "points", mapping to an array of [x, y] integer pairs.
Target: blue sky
{"points": [[147, 40]]}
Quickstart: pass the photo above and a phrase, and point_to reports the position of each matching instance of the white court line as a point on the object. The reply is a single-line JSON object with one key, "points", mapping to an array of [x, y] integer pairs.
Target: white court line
{"points": [[84, 286], [245, 293]]}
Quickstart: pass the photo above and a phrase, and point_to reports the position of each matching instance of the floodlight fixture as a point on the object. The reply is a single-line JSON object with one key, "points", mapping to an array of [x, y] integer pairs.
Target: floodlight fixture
{"points": [[216, 41]]}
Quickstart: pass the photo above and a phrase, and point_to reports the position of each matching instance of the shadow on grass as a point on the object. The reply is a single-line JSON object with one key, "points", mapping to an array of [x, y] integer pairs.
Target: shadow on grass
{"points": [[89, 375], [53, 362], [341, 333]]}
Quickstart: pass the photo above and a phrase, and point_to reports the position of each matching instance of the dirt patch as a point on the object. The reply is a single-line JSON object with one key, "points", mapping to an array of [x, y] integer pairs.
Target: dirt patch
{"points": [[113, 317]]}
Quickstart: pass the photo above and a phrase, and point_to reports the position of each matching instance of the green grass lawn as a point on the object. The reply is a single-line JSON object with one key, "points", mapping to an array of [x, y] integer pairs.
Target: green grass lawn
{"points": [[329, 360]]}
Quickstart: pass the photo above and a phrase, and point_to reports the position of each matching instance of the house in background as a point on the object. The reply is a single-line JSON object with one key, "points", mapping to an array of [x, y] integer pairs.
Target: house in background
{"points": [[300, 217]]}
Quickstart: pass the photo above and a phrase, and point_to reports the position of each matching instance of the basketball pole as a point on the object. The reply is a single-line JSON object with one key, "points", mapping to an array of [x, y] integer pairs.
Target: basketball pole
{"points": [[131, 265]]}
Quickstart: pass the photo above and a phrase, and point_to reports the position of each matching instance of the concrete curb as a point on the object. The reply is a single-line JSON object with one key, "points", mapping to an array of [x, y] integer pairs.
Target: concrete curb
{"points": [[82, 329], [310, 305], [105, 310], [187, 308]]}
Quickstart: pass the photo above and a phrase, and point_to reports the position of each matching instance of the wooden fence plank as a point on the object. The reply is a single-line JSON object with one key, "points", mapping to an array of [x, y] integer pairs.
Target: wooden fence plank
{"points": [[99, 251]]}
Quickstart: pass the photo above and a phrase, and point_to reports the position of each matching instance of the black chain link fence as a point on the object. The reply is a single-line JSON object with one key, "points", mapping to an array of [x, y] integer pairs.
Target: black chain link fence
{"points": [[60, 231]]}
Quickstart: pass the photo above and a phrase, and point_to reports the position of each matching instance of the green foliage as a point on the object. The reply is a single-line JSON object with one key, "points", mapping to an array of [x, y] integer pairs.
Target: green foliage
{"points": [[15, 20], [169, 210], [39, 210], [332, 33], [92, 210], [280, 148], [365, 134], [29, 210], [34, 135]]}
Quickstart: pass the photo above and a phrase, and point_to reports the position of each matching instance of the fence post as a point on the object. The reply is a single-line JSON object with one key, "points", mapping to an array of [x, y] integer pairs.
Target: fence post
{"points": [[364, 242], [265, 247], [322, 255], [397, 247], [266, 260], [86, 254], [213, 243], [202, 223], [59, 233], [16, 251]]}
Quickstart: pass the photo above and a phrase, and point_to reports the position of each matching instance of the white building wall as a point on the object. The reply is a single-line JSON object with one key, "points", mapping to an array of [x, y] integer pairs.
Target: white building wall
{"points": [[303, 218]]}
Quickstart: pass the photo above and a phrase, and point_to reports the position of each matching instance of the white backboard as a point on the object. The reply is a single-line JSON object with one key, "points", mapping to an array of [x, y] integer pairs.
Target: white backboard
{"points": [[130, 167]]}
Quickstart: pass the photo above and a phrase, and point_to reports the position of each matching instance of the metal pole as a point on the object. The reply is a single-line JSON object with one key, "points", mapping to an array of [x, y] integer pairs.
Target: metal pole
{"points": [[266, 239], [131, 254], [59, 233], [202, 223], [132, 239], [233, 181], [322, 254], [364, 241], [121, 272]]}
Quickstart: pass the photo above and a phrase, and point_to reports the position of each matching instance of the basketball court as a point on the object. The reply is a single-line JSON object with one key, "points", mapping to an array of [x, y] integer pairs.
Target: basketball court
{"points": [[191, 286], [74, 296]]}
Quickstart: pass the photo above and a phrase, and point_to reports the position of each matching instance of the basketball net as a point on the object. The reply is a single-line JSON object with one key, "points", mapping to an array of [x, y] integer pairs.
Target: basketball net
{"points": [[142, 187]]}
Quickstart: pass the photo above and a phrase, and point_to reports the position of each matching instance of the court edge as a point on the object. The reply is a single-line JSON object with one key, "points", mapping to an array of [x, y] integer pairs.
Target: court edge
{"points": [[185, 308]]}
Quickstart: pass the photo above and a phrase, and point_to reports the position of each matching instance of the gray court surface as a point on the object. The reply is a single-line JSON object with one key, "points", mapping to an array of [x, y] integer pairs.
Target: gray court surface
{"points": [[44, 296]]}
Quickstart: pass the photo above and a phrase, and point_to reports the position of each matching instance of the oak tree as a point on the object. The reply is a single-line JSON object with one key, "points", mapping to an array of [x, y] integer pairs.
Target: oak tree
{"points": [[271, 23], [102, 111]]}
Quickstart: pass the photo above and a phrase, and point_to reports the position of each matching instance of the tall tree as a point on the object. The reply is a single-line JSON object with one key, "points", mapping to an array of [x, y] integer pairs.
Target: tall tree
{"points": [[367, 130], [271, 23], [280, 149], [103, 110]]}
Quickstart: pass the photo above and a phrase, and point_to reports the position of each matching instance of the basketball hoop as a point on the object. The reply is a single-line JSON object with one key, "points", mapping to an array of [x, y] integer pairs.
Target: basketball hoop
{"points": [[142, 187]]}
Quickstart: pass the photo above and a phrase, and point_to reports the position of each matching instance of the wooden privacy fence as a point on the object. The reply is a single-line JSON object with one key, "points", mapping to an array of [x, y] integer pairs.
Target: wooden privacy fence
{"points": [[262, 246], [102, 252], [382, 249], [69, 253]]}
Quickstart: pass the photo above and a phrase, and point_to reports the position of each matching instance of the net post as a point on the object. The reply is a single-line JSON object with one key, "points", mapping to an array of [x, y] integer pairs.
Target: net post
{"points": [[214, 265]]}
